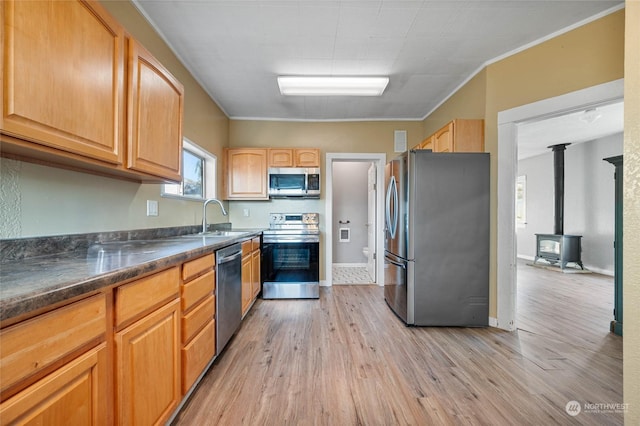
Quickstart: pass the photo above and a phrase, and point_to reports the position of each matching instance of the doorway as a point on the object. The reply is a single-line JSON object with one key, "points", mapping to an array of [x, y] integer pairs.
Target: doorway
{"points": [[354, 224], [508, 122]]}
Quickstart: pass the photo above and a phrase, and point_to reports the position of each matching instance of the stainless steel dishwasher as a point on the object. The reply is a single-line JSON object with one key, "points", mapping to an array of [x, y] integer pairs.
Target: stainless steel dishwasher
{"points": [[229, 294]]}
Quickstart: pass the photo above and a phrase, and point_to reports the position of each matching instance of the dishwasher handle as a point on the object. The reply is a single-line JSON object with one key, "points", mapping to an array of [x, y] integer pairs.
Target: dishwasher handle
{"points": [[228, 257], [228, 254]]}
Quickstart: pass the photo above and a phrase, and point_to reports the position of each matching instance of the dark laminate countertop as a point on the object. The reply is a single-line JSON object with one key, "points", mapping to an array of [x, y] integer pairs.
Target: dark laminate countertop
{"points": [[33, 283]]}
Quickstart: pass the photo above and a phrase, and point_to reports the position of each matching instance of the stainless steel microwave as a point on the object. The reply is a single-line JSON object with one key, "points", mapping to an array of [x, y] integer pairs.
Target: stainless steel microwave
{"points": [[294, 182]]}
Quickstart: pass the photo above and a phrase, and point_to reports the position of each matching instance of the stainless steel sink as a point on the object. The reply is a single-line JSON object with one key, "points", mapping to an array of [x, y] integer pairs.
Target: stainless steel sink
{"points": [[216, 234]]}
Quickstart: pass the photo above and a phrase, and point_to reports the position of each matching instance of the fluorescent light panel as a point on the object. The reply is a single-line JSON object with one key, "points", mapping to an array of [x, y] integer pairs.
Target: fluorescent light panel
{"points": [[332, 86]]}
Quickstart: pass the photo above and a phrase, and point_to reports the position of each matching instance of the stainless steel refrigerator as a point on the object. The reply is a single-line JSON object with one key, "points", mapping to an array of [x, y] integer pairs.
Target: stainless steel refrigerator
{"points": [[437, 238]]}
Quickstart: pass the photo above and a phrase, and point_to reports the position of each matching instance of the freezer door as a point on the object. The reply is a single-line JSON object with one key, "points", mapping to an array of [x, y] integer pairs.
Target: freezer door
{"points": [[396, 206], [395, 284]]}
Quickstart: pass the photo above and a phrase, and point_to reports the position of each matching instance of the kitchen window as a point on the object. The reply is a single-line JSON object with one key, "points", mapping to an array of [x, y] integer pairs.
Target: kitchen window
{"points": [[198, 175]]}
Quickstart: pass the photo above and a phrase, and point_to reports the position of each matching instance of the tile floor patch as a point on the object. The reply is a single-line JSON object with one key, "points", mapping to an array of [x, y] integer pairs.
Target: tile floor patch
{"points": [[351, 275]]}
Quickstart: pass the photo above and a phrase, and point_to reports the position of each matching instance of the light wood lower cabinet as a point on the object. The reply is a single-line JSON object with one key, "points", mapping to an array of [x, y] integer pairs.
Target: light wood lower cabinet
{"points": [[148, 367], [147, 347], [70, 366], [246, 276], [250, 272], [198, 326], [75, 394], [54, 367], [256, 282]]}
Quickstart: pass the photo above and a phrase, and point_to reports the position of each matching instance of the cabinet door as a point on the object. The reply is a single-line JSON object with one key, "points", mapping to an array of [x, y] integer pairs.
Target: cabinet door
{"points": [[427, 143], [469, 135], [63, 74], [255, 273], [148, 367], [154, 126], [443, 139], [246, 283], [307, 157], [246, 174], [280, 157], [74, 394]]}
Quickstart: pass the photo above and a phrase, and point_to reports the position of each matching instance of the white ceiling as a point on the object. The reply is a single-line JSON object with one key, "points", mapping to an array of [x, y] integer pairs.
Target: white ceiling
{"points": [[236, 49], [534, 138]]}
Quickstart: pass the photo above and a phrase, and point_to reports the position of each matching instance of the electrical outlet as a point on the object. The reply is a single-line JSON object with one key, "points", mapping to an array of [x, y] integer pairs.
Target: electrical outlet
{"points": [[152, 208], [246, 212]]}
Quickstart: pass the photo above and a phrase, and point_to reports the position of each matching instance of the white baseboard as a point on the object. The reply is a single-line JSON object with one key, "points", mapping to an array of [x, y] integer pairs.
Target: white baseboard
{"points": [[493, 322], [525, 257], [324, 283]]}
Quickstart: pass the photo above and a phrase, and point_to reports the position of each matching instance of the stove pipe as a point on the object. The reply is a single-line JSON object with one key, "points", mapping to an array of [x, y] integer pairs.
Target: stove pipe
{"points": [[558, 179]]}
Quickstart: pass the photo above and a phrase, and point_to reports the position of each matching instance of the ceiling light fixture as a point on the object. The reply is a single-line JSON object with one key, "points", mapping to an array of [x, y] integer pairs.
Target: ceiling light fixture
{"points": [[332, 86], [590, 116]]}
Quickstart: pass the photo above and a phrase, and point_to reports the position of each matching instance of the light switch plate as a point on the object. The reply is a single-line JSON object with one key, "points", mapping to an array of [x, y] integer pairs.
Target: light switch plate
{"points": [[152, 208]]}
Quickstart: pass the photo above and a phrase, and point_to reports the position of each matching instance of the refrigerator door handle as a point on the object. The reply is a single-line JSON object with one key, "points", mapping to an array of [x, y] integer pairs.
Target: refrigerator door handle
{"points": [[392, 191], [393, 262]]}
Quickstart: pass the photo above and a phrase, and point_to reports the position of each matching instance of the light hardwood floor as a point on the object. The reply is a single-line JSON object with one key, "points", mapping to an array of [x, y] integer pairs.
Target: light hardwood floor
{"points": [[347, 360]]}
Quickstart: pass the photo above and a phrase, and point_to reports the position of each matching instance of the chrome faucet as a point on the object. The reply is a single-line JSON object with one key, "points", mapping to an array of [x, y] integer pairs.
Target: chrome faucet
{"points": [[204, 212]]}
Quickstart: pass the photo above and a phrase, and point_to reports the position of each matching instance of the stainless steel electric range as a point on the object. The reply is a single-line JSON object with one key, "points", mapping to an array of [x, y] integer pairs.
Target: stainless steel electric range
{"points": [[290, 256]]}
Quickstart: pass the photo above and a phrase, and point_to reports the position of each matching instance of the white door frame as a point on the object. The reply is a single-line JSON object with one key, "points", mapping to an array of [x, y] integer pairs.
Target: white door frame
{"points": [[508, 121], [380, 161]]}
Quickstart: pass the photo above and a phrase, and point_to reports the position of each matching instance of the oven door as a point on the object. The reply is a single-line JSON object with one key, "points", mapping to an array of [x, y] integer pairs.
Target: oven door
{"points": [[290, 269]]}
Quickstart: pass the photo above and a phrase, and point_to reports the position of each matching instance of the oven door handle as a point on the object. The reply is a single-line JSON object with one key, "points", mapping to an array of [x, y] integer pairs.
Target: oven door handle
{"points": [[285, 240]]}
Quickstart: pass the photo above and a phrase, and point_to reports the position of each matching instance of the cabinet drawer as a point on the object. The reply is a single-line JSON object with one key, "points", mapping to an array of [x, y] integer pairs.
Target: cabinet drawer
{"points": [[246, 247], [197, 354], [197, 266], [140, 296], [255, 244], [32, 345], [198, 289], [197, 318], [74, 394]]}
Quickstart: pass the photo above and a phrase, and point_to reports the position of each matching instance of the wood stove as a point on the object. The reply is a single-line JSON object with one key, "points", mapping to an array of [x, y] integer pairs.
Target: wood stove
{"points": [[558, 247]]}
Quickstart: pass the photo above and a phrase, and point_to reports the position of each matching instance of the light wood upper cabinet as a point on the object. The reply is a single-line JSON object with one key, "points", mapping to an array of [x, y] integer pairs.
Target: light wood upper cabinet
{"points": [[306, 157], [443, 139], [62, 71], [245, 174], [294, 157], [155, 106], [69, 74], [426, 144], [280, 157], [459, 135]]}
